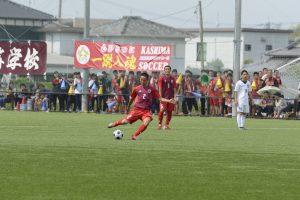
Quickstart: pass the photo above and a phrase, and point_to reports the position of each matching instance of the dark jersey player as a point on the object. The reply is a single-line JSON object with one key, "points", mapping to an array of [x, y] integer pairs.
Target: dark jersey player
{"points": [[167, 90], [142, 96]]}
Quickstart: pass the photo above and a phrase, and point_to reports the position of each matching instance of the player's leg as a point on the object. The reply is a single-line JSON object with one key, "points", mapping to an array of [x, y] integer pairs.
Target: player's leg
{"points": [[161, 114], [170, 108], [130, 118], [117, 123], [142, 128]]}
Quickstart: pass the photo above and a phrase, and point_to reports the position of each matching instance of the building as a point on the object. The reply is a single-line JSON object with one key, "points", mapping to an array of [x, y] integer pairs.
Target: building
{"points": [[60, 37], [136, 30], [287, 61], [18, 22], [219, 44]]}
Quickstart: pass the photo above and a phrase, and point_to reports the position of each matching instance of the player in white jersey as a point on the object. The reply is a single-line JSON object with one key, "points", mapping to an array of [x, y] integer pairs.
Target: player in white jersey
{"points": [[242, 93]]}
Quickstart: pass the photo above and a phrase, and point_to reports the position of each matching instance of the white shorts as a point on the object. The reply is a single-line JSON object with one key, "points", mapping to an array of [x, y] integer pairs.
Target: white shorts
{"points": [[243, 109], [256, 101]]}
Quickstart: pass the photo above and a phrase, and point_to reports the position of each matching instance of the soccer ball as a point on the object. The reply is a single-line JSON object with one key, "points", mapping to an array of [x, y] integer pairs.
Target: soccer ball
{"points": [[118, 134]]}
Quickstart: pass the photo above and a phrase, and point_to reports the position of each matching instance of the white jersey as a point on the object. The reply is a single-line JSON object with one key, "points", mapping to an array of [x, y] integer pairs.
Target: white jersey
{"points": [[243, 90]]}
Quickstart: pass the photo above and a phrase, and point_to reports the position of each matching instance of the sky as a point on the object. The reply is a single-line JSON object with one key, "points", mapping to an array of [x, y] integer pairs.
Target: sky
{"points": [[182, 13]]}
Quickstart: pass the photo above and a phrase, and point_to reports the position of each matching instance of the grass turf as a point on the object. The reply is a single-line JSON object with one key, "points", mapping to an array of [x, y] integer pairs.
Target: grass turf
{"points": [[74, 156]]}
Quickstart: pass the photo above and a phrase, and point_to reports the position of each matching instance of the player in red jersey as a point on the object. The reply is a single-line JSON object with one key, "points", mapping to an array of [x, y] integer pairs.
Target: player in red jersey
{"points": [[142, 96], [167, 90]]}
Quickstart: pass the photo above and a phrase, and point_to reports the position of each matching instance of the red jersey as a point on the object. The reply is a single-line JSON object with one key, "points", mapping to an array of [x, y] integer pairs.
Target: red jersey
{"points": [[167, 85], [144, 96]]}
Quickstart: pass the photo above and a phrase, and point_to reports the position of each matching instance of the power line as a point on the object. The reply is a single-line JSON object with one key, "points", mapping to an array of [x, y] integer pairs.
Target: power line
{"points": [[174, 13]]}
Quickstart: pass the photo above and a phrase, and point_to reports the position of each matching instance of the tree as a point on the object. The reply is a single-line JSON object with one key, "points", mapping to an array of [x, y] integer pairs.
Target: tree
{"points": [[195, 71], [296, 32], [215, 65], [248, 61]]}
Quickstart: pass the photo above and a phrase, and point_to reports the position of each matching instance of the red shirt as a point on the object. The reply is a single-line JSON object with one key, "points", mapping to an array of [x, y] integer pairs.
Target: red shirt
{"points": [[167, 85], [144, 96]]}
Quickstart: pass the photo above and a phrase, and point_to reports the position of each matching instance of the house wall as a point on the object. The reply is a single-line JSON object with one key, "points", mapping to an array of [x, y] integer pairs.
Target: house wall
{"points": [[258, 43], [61, 43], [220, 45]]}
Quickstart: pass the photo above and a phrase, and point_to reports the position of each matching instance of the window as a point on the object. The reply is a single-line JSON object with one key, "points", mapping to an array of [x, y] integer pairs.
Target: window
{"points": [[269, 47], [198, 53], [247, 47]]}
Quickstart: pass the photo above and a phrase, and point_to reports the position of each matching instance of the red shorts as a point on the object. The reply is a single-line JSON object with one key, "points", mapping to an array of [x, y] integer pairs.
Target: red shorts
{"points": [[213, 100], [164, 106], [138, 113]]}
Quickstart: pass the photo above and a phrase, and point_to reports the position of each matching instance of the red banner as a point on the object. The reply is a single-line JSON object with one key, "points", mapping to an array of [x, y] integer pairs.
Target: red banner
{"points": [[132, 57], [23, 58]]}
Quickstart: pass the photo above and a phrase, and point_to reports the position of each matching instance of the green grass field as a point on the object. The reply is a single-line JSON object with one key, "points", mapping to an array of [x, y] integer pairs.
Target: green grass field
{"points": [[74, 156]]}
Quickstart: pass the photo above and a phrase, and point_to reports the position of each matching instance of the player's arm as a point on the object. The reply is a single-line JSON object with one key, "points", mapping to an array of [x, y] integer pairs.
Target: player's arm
{"points": [[236, 98], [157, 96], [131, 100], [160, 86]]}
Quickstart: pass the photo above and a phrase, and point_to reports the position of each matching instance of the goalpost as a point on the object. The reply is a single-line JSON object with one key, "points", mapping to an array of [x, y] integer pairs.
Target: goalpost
{"points": [[290, 76]]}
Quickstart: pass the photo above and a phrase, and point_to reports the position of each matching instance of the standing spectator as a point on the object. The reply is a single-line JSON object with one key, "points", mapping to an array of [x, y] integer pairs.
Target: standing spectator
{"points": [[105, 83], [189, 86], [93, 91], [154, 83], [55, 90], [142, 96], [178, 85], [63, 93], [77, 91], [167, 90], [270, 80], [242, 93], [211, 92], [277, 77], [228, 94], [123, 84], [203, 91], [256, 85], [131, 81], [23, 92], [71, 95], [219, 89]]}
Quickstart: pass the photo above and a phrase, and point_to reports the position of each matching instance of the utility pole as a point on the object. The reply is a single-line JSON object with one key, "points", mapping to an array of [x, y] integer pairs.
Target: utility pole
{"points": [[86, 71], [201, 35], [237, 45], [59, 10]]}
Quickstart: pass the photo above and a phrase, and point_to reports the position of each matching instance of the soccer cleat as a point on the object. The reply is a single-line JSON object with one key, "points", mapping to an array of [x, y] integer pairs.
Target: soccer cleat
{"points": [[166, 127], [110, 125], [159, 126], [242, 128], [133, 138]]}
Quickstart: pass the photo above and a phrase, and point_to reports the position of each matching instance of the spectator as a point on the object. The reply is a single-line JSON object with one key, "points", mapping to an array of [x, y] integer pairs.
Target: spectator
{"points": [[280, 105], [270, 80], [77, 91], [266, 107], [63, 93], [55, 90], [93, 90], [256, 85]]}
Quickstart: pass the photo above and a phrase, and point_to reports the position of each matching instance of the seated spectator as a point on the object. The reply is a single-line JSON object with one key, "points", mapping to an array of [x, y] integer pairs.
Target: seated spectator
{"points": [[112, 103], [280, 106], [266, 106]]}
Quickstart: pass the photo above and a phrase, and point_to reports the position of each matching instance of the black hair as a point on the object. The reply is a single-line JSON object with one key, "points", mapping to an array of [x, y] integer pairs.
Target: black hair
{"points": [[255, 73], [244, 71], [145, 75], [168, 66], [174, 70]]}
